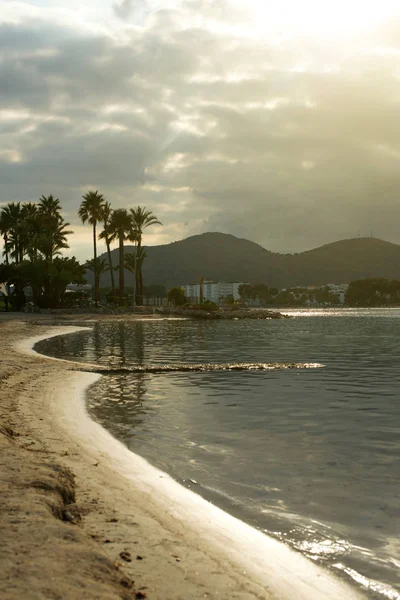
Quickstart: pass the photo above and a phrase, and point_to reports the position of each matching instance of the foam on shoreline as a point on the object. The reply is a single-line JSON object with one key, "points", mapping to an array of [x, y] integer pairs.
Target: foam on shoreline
{"points": [[285, 573]]}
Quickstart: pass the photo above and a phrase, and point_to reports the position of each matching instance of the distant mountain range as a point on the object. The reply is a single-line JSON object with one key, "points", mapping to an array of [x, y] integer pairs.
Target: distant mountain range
{"points": [[222, 257]]}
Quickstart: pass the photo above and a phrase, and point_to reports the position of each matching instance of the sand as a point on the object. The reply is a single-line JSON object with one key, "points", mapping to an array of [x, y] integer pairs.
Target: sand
{"points": [[82, 517]]}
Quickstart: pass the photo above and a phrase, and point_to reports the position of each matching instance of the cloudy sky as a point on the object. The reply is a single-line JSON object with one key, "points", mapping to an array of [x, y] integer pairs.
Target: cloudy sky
{"points": [[274, 121]]}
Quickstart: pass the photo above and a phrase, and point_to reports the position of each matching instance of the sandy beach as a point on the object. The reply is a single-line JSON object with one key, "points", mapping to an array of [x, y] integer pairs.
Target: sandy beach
{"points": [[82, 517]]}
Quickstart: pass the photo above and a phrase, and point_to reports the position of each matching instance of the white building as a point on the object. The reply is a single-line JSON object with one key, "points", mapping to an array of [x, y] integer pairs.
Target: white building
{"points": [[79, 287], [339, 290], [215, 291]]}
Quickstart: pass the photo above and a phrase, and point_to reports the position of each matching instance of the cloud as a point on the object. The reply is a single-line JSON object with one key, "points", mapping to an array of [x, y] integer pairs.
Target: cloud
{"points": [[291, 143], [123, 8]]}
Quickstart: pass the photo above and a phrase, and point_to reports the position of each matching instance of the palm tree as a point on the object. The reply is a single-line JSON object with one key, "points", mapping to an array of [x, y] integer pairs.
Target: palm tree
{"points": [[100, 266], [142, 219], [49, 205], [106, 213], [90, 211], [10, 226], [4, 233], [52, 232], [121, 229], [52, 237], [32, 229], [130, 265], [5, 230], [140, 256], [38, 232]]}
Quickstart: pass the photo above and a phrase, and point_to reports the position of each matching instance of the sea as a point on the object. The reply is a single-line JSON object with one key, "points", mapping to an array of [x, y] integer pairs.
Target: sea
{"points": [[310, 456]]}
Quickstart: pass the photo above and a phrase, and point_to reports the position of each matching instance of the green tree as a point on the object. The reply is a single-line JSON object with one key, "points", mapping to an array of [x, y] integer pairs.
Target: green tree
{"points": [[32, 229], [130, 265], [29, 229], [64, 271], [6, 272], [4, 231], [10, 225], [52, 237], [48, 281], [373, 292], [121, 229], [106, 214], [324, 295], [140, 256], [176, 295], [34, 235], [49, 205], [91, 211], [101, 265], [286, 297], [244, 291], [142, 219]]}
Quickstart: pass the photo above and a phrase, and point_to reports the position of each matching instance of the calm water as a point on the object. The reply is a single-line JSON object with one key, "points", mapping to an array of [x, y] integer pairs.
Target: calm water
{"points": [[309, 456]]}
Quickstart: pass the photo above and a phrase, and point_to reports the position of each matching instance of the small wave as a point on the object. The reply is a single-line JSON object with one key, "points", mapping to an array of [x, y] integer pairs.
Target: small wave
{"points": [[218, 492], [202, 367], [322, 549], [386, 591], [213, 449]]}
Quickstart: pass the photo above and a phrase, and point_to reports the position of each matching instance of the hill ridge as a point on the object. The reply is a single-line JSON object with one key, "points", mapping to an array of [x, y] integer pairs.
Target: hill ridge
{"points": [[225, 257]]}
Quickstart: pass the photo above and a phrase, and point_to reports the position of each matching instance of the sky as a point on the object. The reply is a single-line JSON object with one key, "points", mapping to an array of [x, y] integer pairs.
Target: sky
{"points": [[278, 122]]}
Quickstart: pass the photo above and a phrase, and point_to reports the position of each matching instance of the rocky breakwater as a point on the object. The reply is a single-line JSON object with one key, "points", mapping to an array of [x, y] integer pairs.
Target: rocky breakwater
{"points": [[228, 314]]}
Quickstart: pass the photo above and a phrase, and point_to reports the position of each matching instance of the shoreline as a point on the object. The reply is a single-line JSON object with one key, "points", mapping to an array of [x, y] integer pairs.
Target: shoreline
{"points": [[188, 547]]}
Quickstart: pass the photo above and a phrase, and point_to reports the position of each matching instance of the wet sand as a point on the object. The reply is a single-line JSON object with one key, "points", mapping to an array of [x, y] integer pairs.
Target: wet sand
{"points": [[82, 517]]}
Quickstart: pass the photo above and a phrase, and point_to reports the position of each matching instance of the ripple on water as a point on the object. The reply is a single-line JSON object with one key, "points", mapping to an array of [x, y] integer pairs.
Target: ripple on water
{"points": [[370, 585], [309, 454]]}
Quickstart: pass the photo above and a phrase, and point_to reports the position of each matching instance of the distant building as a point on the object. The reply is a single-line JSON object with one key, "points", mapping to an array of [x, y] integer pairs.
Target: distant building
{"points": [[339, 290], [79, 287], [214, 291], [311, 294]]}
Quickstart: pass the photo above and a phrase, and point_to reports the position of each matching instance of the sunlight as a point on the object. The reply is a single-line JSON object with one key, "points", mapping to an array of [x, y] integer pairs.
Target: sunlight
{"points": [[319, 17]]}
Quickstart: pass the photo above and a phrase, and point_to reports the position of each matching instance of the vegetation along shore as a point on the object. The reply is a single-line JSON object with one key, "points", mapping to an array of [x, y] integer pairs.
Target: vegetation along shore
{"points": [[35, 235]]}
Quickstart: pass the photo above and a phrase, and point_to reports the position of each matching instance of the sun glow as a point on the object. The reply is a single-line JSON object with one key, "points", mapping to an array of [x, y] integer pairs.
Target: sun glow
{"points": [[319, 17]]}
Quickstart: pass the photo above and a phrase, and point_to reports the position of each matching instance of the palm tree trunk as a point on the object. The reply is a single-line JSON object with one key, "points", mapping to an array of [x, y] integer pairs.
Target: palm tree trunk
{"points": [[5, 237], [121, 271], [46, 284], [96, 274], [111, 267], [137, 272]]}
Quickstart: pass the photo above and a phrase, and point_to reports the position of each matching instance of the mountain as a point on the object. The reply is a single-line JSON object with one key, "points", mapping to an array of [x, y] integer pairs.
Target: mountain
{"points": [[345, 261], [223, 257]]}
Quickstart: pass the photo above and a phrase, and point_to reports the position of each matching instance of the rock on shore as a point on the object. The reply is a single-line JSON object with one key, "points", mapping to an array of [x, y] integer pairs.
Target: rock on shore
{"points": [[229, 314]]}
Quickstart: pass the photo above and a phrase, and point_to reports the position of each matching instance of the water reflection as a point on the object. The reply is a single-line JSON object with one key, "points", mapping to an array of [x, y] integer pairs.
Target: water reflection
{"points": [[309, 456], [118, 403]]}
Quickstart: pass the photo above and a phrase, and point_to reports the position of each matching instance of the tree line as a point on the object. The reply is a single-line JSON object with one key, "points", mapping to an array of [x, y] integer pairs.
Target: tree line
{"points": [[298, 296], [35, 234], [373, 292], [362, 292]]}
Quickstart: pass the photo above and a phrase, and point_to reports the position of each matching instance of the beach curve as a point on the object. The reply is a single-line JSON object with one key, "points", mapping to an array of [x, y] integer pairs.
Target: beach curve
{"points": [[189, 547]]}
